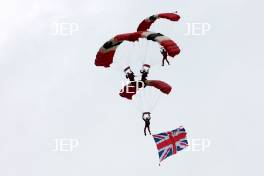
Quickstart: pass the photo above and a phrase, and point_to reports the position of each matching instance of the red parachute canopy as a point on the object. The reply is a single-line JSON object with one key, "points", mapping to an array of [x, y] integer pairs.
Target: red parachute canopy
{"points": [[162, 86], [105, 55], [146, 23], [131, 89]]}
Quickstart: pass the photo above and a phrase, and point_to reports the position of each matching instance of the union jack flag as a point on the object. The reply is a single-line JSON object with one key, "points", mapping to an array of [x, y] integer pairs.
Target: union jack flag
{"points": [[169, 143]]}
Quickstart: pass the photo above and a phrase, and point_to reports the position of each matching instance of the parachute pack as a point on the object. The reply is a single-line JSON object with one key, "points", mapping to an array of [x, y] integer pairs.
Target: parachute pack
{"points": [[168, 143]]}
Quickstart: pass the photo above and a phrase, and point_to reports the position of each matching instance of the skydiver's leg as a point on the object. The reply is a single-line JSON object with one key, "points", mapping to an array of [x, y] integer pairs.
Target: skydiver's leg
{"points": [[145, 130], [145, 85], [163, 62], [167, 61], [149, 130]]}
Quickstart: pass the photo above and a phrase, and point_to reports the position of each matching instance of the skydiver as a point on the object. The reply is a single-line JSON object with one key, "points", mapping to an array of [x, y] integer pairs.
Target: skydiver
{"points": [[129, 74], [146, 117], [165, 56], [144, 71]]}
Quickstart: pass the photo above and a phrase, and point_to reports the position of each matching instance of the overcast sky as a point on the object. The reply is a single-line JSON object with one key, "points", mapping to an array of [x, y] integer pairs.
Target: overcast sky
{"points": [[51, 90]]}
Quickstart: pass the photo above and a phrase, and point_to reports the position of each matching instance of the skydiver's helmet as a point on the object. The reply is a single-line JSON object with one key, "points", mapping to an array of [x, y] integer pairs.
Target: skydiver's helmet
{"points": [[145, 67]]}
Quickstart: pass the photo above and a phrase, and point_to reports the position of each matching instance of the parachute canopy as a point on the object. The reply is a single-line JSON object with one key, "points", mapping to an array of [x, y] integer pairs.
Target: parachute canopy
{"points": [[162, 86], [106, 53], [131, 89], [146, 23]]}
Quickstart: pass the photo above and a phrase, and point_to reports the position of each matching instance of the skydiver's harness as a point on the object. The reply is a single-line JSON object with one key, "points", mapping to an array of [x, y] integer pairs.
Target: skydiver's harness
{"points": [[144, 71], [164, 53], [129, 74]]}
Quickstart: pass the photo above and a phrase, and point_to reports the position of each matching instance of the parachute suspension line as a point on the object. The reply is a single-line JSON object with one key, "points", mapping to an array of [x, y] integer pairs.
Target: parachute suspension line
{"points": [[139, 48], [136, 102], [146, 53], [146, 100], [155, 66], [143, 102], [118, 66], [131, 54], [137, 106], [119, 63], [149, 99], [125, 61], [156, 99], [143, 47]]}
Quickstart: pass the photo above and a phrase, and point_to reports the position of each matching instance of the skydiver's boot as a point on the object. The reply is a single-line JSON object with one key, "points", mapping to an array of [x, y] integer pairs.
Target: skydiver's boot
{"points": [[167, 61], [149, 131]]}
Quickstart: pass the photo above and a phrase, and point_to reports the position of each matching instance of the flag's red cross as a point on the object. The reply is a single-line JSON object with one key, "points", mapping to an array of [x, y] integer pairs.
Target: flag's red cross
{"points": [[171, 141]]}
